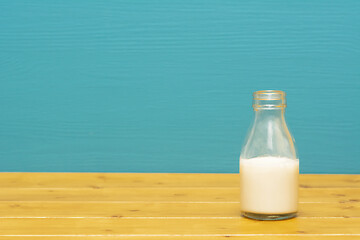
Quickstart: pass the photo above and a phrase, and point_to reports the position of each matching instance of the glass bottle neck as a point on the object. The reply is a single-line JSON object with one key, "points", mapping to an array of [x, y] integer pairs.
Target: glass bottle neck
{"points": [[269, 120], [269, 113]]}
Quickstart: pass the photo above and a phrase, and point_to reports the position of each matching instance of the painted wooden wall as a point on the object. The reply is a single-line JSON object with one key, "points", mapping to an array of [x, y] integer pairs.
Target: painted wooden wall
{"points": [[165, 85]]}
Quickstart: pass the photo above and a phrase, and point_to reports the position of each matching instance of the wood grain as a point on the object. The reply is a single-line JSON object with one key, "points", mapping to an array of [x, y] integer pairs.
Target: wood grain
{"points": [[179, 237], [165, 194], [160, 180], [88, 209], [143, 227]]}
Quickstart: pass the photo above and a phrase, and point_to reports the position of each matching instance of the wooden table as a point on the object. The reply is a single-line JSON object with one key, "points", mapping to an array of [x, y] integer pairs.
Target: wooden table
{"points": [[166, 206]]}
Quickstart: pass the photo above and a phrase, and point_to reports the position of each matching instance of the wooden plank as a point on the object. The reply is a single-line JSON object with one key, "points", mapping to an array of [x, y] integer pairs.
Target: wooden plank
{"points": [[157, 210], [329, 180], [165, 194], [143, 227], [177, 237], [122, 180], [113, 180]]}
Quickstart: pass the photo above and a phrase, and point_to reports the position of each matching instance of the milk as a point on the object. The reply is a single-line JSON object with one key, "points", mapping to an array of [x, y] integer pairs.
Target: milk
{"points": [[269, 185]]}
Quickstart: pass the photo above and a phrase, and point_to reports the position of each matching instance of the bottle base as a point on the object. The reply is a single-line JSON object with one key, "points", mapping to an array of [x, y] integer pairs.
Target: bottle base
{"points": [[268, 217]]}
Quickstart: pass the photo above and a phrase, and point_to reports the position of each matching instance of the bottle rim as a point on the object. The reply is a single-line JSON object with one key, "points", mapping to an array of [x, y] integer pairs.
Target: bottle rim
{"points": [[269, 95], [269, 99]]}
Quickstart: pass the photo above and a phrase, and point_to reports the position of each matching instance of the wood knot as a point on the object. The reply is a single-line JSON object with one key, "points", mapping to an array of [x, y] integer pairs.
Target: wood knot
{"points": [[179, 194], [339, 195]]}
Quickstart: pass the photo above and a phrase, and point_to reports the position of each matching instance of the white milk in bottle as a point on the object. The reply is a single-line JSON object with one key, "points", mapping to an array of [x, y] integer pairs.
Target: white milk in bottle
{"points": [[269, 185]]}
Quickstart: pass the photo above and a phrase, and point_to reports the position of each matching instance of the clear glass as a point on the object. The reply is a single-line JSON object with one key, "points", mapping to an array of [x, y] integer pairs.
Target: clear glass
{"points": [[269, 165]]}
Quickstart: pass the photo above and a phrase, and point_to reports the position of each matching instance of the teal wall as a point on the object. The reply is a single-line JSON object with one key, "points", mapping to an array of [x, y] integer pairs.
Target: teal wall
{"points": [[165, 85]]}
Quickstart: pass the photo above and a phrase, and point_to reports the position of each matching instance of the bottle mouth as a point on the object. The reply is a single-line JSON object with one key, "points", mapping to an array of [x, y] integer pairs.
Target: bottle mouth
{"points": [[269, 99]]}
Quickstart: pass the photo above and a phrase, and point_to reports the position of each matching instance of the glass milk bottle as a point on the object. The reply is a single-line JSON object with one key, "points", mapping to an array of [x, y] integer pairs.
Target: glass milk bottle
{"points": [[269, 166]]}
